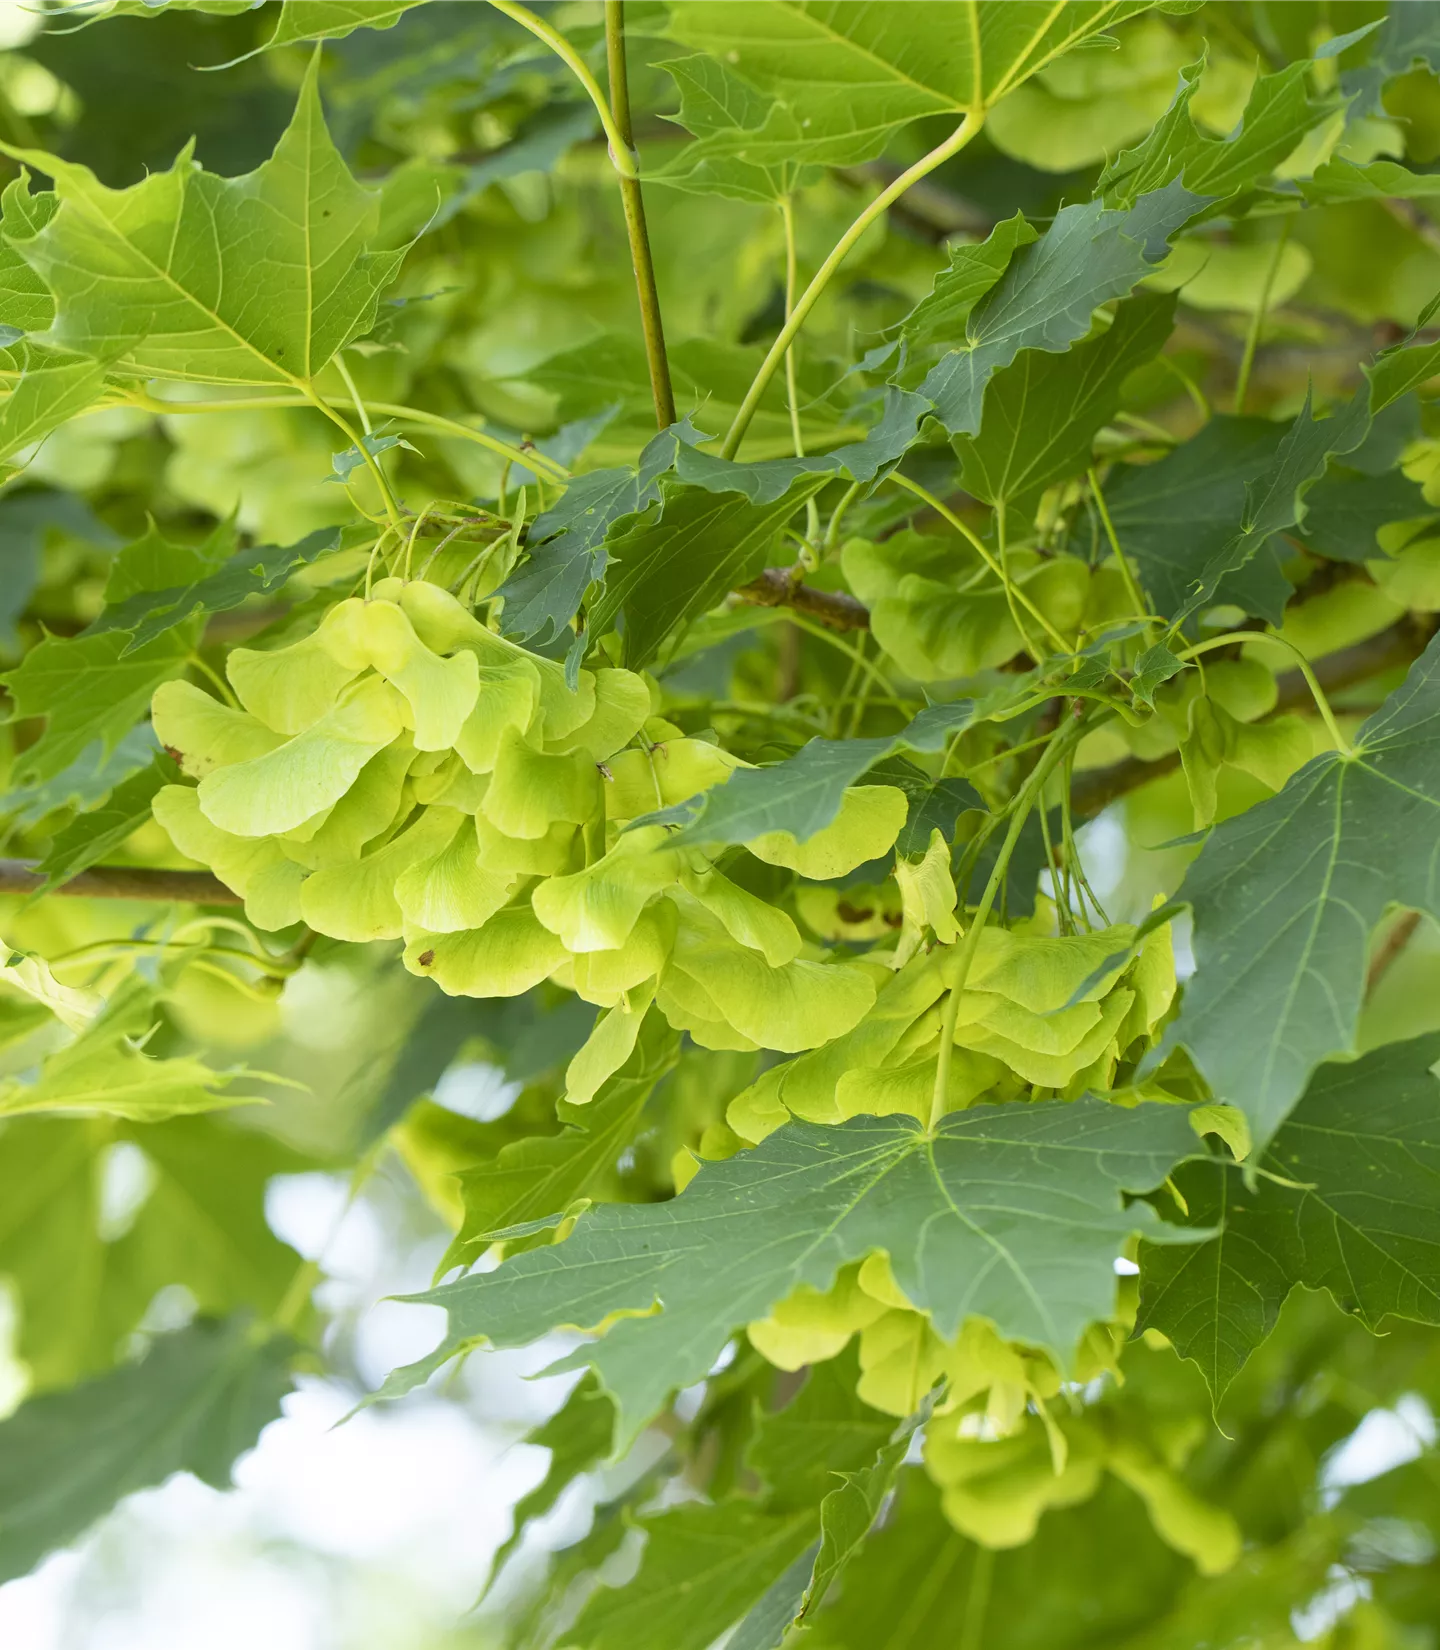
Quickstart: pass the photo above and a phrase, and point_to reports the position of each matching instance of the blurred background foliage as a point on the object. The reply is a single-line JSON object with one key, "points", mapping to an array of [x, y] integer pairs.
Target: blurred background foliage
{"points": [[516, 304]]}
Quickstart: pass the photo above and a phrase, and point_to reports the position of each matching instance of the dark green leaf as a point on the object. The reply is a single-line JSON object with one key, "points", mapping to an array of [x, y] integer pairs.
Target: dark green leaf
{"points": [[1285, 897], [1050, 290], [150, 612], [90, 837], [1037, 1258], [198, 1399], [1345, 510], [566, 548], [1043, 412], [803, 794], [1156, 665], [1173, 517], [1352, 1211], [682, 556], [1279, 113], [1275, 500], [770, 479]]}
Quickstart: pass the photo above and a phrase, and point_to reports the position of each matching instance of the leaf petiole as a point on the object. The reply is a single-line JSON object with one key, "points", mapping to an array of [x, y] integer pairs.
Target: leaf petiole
{"points": [[1322, 704], [952, 145], [1020, 808], [982, 549], [621, 153]]}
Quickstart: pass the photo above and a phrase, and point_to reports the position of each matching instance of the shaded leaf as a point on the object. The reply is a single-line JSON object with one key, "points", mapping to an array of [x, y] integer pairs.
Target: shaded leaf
{"points": [[1346, 508], [198, 1400], [90, 837], [80, 1288], [1285, 897], [1352, 1211], [25, 520], [566, 545], [1174, 516], [682, 556], [1049, 291], [149, 613], [803, 794], [1043, 412], [766, 481], [543, 1175], [726, 1554]]}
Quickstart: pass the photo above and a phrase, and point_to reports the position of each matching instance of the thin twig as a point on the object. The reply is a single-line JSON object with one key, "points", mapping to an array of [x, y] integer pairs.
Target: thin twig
{"points": [[661, 389], [775, 587], [1389, 949], [768, 367]]}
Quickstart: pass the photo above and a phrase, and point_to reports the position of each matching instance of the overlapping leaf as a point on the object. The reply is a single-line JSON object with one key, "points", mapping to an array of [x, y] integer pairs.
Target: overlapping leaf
{"points": [[1346, 1203], [682, 556], [1010, 1213], [848, 76], [1174, 516], [191, 277], [1285, 897], [1049, 292], [544, 1175], [1042, 413]]}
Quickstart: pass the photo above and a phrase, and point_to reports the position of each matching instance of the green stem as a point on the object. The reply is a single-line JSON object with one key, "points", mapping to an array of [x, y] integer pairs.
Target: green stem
{"points": [[661, 390], [982, 549], [792, 387], [535, 461], [1322, 704], [847, 498], [1121, 560], [887, 692], [352, 392], [1257, 321], [965, 957], [372, 463], [621, 152], [808, 299], [411, 415]]}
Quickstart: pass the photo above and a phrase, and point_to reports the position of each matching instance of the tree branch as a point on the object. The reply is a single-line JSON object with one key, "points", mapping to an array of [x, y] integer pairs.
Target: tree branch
{"points": [[1091, 793], [19, 876], [777, 587]]}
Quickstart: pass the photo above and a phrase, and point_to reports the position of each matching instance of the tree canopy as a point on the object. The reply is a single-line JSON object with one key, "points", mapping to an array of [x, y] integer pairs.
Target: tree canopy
{"points": [[843, 597]]}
